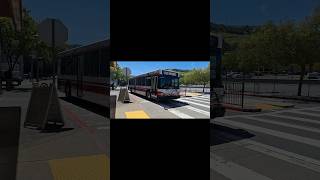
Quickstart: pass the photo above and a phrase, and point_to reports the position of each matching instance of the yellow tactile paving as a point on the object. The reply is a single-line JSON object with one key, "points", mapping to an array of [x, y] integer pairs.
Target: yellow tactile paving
{"points": [[94, 167], [137, 115]]}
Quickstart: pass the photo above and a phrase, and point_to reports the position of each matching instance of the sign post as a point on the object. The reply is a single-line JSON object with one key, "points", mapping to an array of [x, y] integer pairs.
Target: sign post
{"points": [[54, 33], [127, 72]]}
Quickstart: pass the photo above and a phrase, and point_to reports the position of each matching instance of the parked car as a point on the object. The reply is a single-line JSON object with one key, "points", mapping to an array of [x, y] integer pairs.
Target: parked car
{"points": [[258, 73], [240, 76], [230, 74], [313, 75]]}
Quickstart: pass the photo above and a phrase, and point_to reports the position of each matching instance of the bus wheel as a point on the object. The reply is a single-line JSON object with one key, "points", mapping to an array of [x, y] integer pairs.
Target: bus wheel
{"points": [[148, 95]]}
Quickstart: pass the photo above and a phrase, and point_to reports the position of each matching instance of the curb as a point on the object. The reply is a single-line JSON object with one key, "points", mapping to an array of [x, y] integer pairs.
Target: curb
{"points": [[242, 109], [286, 97]]}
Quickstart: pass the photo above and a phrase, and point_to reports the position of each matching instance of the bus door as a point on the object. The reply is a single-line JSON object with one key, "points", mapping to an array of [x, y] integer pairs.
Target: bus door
{"points": [[154, 83], [80, 70]]}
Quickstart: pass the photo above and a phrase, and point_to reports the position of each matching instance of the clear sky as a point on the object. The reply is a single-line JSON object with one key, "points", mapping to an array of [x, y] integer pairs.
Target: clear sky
{"points": [[141, 67], [87, 20], [256, 12]]}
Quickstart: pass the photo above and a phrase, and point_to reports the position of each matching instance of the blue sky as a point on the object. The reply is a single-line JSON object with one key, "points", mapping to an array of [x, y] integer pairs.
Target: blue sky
{"points": [[256, 12], [88, 21], [141, 67]]}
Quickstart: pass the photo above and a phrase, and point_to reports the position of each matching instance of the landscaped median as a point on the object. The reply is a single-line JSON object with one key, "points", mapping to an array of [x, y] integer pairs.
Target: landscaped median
{"points": [[240, 108], [257, 107]]}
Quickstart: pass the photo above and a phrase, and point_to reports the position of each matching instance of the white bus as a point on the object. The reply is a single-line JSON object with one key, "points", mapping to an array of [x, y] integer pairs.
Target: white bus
{"points": [[159, 85], [83, 72]]}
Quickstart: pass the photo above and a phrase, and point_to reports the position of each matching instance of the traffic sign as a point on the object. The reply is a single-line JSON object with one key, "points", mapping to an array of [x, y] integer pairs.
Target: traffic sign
{"points": [[53, 32]]}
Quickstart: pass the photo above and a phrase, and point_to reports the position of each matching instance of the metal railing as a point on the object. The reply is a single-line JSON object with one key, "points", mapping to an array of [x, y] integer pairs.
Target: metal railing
{"points": [[198, 89], [269, 87], [234, 93]]}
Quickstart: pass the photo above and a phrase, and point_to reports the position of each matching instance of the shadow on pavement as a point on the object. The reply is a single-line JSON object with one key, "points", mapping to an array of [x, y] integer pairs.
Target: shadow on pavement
{"points": [[169, 103], [10, 120], [221, 134], [51, 128], [95, 108]]}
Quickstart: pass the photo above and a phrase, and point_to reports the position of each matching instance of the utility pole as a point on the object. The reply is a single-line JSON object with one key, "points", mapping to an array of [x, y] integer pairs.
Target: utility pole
{"points": [[53, 53]]}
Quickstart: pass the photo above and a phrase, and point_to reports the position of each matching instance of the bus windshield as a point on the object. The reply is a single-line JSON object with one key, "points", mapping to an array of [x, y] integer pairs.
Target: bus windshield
{"points": [[168, 82]]}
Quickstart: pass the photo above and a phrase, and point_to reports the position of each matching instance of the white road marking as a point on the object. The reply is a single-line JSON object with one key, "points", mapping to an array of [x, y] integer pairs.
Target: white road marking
{"points": [[201, 97], [180, 114], [308, 113], [190, 102], [198, 110], [284, 124], [191, 99], [295, 118], [281, 154], [277, 112], [282, 135], [312, 109], [232, 170]]}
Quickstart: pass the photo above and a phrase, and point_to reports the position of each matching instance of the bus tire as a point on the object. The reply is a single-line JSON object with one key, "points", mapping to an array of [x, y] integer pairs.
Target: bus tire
{"points": [[148, 94], [67, 89]]}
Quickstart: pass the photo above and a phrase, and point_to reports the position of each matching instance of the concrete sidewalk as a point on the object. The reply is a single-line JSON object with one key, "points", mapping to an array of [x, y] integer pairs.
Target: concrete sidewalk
{"points": [[80, 150], [139, 108]]}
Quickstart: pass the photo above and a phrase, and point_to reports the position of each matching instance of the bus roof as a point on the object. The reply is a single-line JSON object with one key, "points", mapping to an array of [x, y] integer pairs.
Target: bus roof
{"points": [[85, 48], [159, 72]]}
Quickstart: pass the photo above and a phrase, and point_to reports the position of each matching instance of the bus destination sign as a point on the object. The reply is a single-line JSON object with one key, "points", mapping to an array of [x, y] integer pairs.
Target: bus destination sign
{"points": [[170, 73]]}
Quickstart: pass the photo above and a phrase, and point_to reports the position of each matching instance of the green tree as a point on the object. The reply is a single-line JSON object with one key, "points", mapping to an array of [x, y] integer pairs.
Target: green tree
{"points": [[116, 73], [17, 44], [197, 77]]}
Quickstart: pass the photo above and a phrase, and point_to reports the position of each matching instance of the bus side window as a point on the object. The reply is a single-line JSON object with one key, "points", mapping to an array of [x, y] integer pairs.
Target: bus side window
{"points": [[103, 63], [148, 83]]}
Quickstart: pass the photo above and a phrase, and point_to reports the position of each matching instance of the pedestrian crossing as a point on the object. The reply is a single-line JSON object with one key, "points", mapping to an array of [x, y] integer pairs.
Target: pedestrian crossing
{"points": [[285, 141], [197, 107]]}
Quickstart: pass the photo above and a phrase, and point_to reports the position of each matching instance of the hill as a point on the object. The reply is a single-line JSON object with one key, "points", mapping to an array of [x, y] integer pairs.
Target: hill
{"points": [[232, 29]]}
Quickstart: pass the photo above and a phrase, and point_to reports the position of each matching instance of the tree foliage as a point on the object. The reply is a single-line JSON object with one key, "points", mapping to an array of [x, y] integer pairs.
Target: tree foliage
{"points": [[116, 72], [276, 47], [197, 77], [16, 44]]}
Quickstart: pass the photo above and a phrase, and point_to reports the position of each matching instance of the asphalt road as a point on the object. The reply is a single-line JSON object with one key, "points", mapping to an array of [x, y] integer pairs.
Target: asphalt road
{"points": [[278, 145]]}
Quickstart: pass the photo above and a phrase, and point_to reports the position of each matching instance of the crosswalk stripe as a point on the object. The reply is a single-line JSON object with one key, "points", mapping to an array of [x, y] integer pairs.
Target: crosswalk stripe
{"points": [[202, 97], [206, 102], [180, 114], [294, 118], [190, 102], [284, 124], [308, 113], [232, 170], [281, 154], [198, 110], [282, 135]]}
